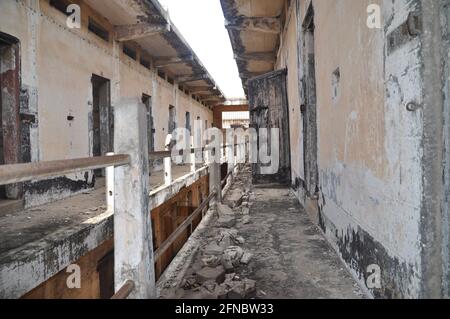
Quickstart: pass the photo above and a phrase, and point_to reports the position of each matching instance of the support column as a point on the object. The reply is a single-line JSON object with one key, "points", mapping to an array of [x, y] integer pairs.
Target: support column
{"points": [[215, 182], [132, 221]]}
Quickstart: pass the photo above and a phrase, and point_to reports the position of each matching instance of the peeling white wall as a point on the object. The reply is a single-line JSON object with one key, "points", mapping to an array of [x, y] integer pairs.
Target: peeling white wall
{"points": [[369, 145]]}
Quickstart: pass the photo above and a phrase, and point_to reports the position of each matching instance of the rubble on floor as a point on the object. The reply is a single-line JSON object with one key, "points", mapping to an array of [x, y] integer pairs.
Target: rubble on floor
{"points": [[216, 270]]}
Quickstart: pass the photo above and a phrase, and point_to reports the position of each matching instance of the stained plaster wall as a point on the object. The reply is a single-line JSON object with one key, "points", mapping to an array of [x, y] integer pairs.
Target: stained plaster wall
{"points": [[370, 145], [57, 65]]}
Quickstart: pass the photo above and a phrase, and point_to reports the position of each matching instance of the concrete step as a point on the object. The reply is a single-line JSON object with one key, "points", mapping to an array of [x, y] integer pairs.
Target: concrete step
{"points": [[10, 206]]}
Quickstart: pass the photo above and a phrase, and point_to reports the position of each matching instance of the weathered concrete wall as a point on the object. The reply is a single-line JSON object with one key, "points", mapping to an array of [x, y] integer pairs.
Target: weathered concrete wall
{"points": [[57, 66], [370, 145], [288, 58]]}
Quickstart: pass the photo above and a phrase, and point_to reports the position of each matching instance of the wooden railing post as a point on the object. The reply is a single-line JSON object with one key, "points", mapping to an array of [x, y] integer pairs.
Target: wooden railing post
{"points": [[133, 245]]}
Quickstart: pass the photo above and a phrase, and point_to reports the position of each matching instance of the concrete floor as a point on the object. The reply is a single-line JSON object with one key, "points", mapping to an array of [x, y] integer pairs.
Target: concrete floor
{"points": [[292, 259]]}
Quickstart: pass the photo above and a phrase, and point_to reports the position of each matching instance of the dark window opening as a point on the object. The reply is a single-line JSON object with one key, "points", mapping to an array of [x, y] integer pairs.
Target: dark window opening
{"points": [[146, 63], [130, 52], [98, 30]]}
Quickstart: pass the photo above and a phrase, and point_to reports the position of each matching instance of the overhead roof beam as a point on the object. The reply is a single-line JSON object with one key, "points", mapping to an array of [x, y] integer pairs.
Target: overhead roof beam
{"points": [[131, 32], [249, 75], [162, 62], [201, 89], [264, 25], [256, 56], [192, 78]]}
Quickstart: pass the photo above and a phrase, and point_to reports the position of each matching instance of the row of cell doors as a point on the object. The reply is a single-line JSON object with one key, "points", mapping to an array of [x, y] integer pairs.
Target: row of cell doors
{"points": [[103, 119]]}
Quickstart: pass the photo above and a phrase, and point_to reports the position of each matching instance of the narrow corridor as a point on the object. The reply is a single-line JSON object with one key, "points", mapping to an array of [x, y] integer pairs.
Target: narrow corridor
{"points": [[290, 258]]}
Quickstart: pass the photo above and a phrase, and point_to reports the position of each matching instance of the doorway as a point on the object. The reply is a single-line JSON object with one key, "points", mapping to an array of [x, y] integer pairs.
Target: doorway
{"points": [[10, 143], [269, 109], [309, 109], [102, 118]]}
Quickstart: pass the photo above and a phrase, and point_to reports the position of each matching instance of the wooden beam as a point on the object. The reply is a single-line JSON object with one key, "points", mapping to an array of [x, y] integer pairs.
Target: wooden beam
{"points": [[264, 25], [200, 89], [191, 78], [137, 31], [256, 56], [162, 62]]}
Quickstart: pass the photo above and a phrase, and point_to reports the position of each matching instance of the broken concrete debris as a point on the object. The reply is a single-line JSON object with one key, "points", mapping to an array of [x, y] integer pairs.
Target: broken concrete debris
{"points": [[216, 274]]}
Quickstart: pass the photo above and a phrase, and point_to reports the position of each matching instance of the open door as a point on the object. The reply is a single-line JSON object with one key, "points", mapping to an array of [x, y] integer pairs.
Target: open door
{"points": [[269, 108]]}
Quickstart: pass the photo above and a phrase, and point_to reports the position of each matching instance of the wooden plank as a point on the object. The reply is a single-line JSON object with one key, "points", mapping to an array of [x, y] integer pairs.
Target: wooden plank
{"points": [[17, 173], [125, 291], [192, 78], [173, 237]]}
